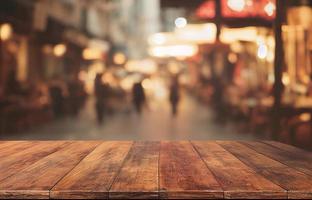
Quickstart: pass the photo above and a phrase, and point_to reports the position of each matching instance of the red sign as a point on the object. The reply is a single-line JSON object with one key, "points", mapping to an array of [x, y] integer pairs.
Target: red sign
{"points": [[264, 9]]}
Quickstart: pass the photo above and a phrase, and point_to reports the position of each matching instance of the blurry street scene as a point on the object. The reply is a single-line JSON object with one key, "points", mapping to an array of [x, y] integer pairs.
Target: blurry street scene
{"points": [[156, 70]]}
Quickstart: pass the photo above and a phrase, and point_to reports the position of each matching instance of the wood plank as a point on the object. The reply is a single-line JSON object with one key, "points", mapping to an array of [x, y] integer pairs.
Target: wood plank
{"points": [[10, 147], [236, 179], [93, 176], [5, 144], [184, 175], [19, 160], [298, 184], [36, 180], [138, 177], [300, 153], [10, 144], [302, 163]]}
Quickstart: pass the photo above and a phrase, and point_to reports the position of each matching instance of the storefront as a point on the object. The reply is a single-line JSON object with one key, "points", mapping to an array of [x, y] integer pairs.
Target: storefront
{"points": [[297, 36], [14, 42]]}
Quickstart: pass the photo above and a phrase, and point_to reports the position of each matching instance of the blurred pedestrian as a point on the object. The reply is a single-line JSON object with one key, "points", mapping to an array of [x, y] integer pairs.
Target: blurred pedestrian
{"points": [[218, 99], [99, 92], [57, 98], [76, 95], [174, 96], [13, 87], [138, 96]]}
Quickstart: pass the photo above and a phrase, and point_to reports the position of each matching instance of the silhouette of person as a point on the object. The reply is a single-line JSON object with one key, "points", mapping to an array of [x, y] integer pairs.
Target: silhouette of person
{"points": [[75, 95], [138, 96], [57, 97], [174, 96], [99, 91]]}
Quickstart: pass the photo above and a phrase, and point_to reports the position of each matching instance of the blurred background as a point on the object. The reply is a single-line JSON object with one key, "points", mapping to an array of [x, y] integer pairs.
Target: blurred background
{"points": [[156, 70]]}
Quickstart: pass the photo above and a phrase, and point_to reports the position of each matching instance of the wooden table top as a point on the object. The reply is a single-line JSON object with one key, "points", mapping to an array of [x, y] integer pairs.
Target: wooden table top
{"points": [[154, 170]]}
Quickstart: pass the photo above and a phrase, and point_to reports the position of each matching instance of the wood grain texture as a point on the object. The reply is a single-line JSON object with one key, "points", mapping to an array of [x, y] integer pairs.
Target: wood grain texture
{"points": [[153, 170], [236, 179], [301, 162], [6, 144], [138, 177], [26, 154], [183, 175], [36, 180], [10, 147], [298, 184], [300, 153], [93, 176]]}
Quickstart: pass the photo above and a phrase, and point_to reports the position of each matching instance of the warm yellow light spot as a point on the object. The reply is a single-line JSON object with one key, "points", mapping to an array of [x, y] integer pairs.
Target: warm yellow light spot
{"points": [[232, 57], [119, 58], [236, 47], [305, 117], [146, 66], [270, 56], [108, 78], [92, 54], [197, 33], [5, 31], [127, 83], [230, 35], [286, 79], [174, 68], [249, 3], [306, 79], [174, 51], [59, 50], [147, 84]]}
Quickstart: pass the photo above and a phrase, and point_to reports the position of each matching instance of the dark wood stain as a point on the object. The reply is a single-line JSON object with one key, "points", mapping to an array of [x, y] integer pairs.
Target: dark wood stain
{"points": [[298, 184], [237, 179], [299, 161]]}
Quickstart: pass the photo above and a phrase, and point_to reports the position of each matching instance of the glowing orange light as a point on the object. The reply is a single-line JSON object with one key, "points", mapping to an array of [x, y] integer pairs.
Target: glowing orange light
{"points": [[59, 50], [92, 54], [5, 31], [119, 58]]}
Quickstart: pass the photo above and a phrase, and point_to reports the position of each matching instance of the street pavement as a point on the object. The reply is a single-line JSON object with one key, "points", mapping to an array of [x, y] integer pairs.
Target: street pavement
{"points": [[193, 122]]}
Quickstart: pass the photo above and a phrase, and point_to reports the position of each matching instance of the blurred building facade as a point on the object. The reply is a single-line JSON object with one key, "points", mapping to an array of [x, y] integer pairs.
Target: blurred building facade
{"points": [[243, 57], [123, 24]]}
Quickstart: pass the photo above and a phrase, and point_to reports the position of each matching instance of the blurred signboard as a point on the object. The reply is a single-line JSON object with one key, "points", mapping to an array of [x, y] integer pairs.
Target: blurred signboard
{"points": [[264, 9]]}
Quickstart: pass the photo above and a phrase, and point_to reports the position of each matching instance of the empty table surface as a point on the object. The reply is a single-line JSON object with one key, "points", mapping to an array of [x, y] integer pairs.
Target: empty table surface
{"points": [[153, 170]]}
